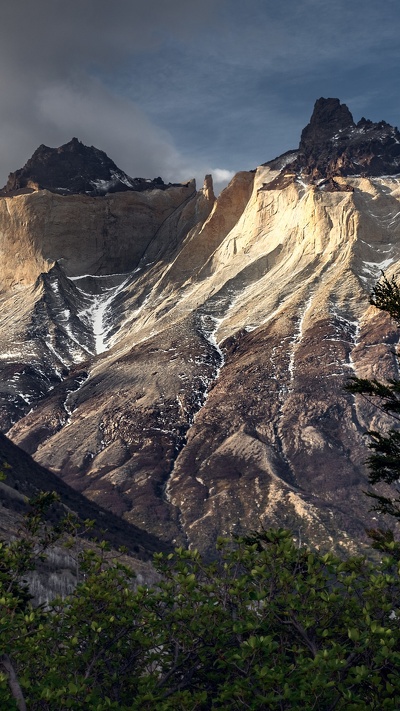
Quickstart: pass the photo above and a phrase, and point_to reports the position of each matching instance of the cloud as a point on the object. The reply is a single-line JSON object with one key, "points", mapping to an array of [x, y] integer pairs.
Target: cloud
{"points": [[221, 174], [72, 33], [97, 116], [173, 88], [116, 125], [52, 56]]}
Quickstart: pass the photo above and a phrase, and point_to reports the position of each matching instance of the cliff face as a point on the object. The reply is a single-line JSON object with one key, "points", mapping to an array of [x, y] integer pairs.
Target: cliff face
{"points": [[198, 388], [84, 234]]}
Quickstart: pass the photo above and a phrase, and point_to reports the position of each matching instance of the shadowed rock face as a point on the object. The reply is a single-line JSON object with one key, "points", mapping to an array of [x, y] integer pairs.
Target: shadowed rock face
{"points": [[199, 390], [74, 169], [333, 145], [329, 118], [24, 478]]}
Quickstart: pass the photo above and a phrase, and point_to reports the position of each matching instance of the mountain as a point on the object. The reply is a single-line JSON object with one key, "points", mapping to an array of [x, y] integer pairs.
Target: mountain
{"points": [[74, 169], [332, 144], [180, 359]]}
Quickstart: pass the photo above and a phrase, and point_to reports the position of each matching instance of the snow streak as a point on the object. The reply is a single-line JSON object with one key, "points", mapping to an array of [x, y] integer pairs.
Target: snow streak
{"points": [[97, 315], [297, 338]]}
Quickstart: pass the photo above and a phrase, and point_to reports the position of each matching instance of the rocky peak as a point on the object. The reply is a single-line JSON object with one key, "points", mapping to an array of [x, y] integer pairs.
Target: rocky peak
{"points": [[74, 168], [329, 118], [333, 145]]}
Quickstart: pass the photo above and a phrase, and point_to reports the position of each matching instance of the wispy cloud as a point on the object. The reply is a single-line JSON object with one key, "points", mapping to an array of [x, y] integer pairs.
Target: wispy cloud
{"points": [[51, 55], [93, 114]]}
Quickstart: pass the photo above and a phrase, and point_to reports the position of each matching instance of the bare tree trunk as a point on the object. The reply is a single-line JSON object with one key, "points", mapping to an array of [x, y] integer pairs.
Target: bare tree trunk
{"points": [[16, 690]]}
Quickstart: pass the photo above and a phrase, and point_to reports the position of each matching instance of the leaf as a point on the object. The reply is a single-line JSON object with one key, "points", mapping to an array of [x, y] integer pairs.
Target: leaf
{"points": [[353, 634]]}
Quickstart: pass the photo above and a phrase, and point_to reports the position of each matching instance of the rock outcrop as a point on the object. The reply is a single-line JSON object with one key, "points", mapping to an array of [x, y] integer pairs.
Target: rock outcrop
{"points": [[198, 389], [332, 144]]}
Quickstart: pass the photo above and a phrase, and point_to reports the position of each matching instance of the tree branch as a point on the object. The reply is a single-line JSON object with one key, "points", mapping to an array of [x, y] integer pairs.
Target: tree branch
{"points": [[15, 688]]}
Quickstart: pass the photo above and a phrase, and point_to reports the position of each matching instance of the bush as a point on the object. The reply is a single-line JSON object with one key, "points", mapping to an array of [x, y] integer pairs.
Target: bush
{"points": [[267, 625]]}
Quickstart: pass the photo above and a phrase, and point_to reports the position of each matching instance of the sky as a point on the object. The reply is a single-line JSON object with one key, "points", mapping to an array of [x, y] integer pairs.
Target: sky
{"points": [[181, 88]]}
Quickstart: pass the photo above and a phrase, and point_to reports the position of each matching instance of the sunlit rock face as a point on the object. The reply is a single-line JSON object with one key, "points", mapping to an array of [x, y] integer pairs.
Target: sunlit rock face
{"points": [[197, 389], [85, 235]]}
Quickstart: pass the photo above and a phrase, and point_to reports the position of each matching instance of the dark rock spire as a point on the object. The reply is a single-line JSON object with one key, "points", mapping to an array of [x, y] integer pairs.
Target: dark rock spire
{"points": [[333, 145]]}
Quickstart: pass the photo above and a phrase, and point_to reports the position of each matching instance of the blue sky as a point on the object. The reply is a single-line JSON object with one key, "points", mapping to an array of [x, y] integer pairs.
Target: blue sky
{"points": [[179, 88]]}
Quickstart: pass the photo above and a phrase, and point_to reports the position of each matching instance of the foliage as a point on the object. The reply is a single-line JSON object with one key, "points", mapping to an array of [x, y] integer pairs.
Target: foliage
{"points": [[265, 626], [384, 462], [386, 297]]}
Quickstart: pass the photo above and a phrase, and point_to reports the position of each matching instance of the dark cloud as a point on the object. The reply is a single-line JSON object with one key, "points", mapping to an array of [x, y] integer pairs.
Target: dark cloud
{"points": [[51, 54]]}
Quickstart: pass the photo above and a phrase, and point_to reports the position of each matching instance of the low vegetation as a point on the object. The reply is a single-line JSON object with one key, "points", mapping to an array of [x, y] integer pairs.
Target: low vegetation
{"points": [[267, 625]]}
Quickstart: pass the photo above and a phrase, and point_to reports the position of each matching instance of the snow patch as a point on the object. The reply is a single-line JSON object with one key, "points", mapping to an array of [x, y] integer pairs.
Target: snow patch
{"points": [[298, 336], [68, 404], [55, 353], [208, 327], [349, 328], [371, 271], [95, 315]]}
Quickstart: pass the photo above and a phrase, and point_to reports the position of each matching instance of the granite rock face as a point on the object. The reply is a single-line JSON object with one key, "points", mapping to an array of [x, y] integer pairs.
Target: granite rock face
{"points": [[198, 389], [85, 235]]}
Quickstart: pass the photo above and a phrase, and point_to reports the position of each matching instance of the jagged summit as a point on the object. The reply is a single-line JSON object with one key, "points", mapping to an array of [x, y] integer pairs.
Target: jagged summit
{"points": [[333, 145], [72, 169], [329, 118]]}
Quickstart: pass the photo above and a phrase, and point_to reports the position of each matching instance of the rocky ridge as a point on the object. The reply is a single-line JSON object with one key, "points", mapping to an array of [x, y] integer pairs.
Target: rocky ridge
{"points": [[197, 387], [25, 479], [332, 145], [74, 169]]}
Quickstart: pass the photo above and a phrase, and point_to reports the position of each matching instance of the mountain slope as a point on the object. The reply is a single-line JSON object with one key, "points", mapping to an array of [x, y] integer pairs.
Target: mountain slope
{"points": [[24, 479], [198, 388]]}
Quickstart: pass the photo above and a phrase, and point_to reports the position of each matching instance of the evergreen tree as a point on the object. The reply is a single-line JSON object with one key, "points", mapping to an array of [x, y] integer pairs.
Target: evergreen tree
{"points": [[384, 462]]}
